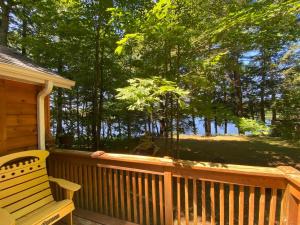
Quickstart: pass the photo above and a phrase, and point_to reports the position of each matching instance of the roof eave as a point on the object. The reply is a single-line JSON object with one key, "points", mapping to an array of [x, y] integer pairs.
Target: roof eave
{"points": [[21, 74]]}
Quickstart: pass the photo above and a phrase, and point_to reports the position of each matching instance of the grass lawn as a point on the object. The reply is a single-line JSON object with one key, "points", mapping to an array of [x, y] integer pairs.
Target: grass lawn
{"points": [[256, 151]]}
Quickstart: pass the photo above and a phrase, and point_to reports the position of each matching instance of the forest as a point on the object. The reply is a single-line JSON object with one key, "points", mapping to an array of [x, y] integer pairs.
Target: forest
{"points": [[157, 66]]}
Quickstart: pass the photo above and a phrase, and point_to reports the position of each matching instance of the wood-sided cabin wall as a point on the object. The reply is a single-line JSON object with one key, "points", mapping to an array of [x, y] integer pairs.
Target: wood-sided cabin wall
{"points": [[18, 116]]}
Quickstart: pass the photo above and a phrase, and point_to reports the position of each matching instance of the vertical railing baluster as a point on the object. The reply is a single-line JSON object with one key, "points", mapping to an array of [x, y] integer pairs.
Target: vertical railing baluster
{"points": [[122, 194], [105, 190], [195, 202], [81, 197], [135, 211], [262, 202], [90, 188], [212, 204], [147, 199], [222, 213], [153, 183], [161, 200], [203, 199], [231, 204], [85, 187], [168, 193], [94, 194], [241, 204], [116, 188], [110, 190], [186, 200], [128, 198], [178, 202], [272, 213], [100, 190], [251, 206], [140, 190]]}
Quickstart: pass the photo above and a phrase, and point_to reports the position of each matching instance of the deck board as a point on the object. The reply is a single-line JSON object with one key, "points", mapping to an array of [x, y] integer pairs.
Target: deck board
{"points": [[84, 217]]}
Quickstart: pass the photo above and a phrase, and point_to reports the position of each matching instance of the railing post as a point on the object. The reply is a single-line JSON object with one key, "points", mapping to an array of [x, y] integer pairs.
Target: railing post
{"points": [[168, 191], [291, 199], [293, 217]]}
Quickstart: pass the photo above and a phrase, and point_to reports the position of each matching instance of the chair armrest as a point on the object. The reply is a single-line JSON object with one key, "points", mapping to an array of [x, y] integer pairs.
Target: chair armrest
{"points": [[6, 218], [68, 185]]}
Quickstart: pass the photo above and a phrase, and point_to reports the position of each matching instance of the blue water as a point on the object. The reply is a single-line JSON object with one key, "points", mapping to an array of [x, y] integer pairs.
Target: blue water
{"points": [[231, 128]]}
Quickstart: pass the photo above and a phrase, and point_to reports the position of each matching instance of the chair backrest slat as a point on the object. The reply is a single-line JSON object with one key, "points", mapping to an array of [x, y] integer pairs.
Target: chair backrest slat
{"points": [[21, 170], [21, 179], [34, 206], [24, 182], [28, 201], [24, 194], [23, 186]]}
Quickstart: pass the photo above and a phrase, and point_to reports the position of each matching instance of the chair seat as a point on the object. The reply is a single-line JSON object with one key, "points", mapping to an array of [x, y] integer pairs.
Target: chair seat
{"points": [[48, 214]]}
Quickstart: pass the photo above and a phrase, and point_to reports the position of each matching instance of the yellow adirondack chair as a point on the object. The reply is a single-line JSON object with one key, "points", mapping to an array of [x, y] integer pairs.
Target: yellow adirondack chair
{"points": [[25, 195]]}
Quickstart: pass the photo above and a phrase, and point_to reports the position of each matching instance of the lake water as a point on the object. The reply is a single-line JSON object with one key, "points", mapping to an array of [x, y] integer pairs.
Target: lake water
{"points": [[231, 128]]}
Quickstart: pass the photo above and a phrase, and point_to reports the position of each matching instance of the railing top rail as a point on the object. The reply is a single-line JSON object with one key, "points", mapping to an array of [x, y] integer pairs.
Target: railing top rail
{"points": [[175, 164]]}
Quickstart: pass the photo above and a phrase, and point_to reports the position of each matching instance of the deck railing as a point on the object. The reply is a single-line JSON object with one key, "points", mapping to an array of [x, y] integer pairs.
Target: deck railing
{"points": [[162, 191]]}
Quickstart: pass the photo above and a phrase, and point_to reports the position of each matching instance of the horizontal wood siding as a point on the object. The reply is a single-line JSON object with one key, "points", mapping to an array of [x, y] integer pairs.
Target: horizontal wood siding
{"points": [[18, 116]]}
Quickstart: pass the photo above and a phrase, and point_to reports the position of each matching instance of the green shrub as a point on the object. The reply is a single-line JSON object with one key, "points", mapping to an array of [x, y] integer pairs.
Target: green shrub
{"points": [[253, 126]]}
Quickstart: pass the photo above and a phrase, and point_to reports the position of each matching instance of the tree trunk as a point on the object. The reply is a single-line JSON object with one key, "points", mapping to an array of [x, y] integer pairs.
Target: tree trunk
{"points": [[216, 126], [194, 125], [156, 128], [119, 128], [24, 35], [88, 134], [59, 114], [70, 116], [6, 8], [59, 128], [207, 126], [171, 125], [273, 93], [262, 100], [129, 127], [78, 117], [101, 100], [236, 76], [108, 133], [103, 130], [95, 103], [162, 127], [264, 68], [149, 125], [177, 129], [238, 93], [251, 108], [225, 103], [274, 113]]}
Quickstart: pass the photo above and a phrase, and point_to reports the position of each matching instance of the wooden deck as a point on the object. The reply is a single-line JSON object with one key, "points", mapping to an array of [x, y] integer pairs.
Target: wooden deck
{"points": [[83, 217]]}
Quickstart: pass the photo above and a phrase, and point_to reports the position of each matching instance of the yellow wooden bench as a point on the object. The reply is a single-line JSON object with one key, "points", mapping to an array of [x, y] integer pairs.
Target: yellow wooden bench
{"points": [[25, 194]]}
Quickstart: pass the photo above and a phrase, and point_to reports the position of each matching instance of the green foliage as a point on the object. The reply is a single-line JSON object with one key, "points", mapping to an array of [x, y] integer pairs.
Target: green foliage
{"points": [[127, 40], [253, 126], [148, 94], [237, 59]]}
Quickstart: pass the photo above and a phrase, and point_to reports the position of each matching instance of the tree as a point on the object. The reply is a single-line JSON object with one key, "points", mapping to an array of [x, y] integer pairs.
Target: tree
{"points": [[234, 57]]}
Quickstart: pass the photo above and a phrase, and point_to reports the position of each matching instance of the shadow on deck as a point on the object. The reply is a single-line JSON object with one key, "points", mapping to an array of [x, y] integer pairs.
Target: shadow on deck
{"points": [[83, 217]]}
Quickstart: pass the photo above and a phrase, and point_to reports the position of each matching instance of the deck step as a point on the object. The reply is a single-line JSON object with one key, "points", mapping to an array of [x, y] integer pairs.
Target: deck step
{"points": [[100, 218]]}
